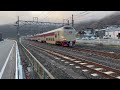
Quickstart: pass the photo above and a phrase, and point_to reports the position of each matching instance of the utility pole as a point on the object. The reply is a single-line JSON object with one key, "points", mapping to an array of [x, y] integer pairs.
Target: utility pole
{"points": [[63, 22], [35, 19], [72, 21], [18, 33], [68, 22]]}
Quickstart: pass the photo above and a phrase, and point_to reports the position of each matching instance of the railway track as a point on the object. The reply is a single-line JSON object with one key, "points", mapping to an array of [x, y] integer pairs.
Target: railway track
{"points": [[95, 52], [100, 53], [95, 68], [111, 62]]}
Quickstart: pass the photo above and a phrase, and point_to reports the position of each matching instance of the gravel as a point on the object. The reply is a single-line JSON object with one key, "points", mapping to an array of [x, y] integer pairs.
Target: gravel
{"points": [[52, 66], [113, 63]]}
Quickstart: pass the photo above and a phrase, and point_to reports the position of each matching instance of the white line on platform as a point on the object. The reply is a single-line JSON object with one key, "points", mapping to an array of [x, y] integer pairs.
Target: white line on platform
{"points": [[3, 68]]}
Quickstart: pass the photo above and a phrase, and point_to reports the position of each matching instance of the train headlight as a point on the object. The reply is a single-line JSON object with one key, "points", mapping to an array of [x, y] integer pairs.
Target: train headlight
{"points": [[64, 39]]}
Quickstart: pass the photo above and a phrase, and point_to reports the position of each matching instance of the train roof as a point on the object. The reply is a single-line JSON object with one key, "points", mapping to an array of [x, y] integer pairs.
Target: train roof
{"points": [[54, 30]]}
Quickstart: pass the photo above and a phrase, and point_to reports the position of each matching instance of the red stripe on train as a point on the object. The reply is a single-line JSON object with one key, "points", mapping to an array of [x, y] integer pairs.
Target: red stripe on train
{"points": [[43, 35]]}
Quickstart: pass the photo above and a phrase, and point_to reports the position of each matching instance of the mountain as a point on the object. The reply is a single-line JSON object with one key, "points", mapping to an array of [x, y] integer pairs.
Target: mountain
{"points": [[10, 31], [113, 19]]}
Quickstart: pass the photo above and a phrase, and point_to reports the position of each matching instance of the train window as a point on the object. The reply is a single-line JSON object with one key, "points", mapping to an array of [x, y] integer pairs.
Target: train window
{"points": [[53, 39], [55, 36], [68, 28]]}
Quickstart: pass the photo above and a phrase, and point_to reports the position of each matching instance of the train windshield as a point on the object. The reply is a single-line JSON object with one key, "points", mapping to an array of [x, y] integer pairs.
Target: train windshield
{"points": [[68, 28]]}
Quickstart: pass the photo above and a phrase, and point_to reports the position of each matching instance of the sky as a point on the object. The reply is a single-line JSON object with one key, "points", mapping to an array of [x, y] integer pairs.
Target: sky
{"points": [[10, 17]]}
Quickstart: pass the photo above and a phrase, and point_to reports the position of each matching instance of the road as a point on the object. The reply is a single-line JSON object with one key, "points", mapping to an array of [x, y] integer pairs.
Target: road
{"points": [[7, 59]]}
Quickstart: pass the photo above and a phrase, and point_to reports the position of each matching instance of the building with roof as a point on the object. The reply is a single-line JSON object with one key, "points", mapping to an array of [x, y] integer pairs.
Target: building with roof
{"points": [[113, 33]]}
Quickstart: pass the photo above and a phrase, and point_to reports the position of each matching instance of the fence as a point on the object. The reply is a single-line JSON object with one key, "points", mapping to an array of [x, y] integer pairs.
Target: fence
{"points": [[37, 67]]}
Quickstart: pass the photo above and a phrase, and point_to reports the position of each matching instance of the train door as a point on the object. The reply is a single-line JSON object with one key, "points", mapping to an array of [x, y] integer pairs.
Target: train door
{"points": [[57, 38]]}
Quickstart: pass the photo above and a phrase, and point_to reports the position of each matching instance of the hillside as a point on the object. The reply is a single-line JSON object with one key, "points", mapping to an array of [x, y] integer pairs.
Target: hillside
{"points": [[113, 19], [10, 31]]}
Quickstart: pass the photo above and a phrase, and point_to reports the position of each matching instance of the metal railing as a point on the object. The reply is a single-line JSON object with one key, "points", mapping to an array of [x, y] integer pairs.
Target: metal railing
{"points": [[37, 67]]}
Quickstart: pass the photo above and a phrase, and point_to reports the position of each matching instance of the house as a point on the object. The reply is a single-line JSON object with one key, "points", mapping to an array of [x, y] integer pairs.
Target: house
{"points": [[87, 33], [100, 33], [113, 33]]}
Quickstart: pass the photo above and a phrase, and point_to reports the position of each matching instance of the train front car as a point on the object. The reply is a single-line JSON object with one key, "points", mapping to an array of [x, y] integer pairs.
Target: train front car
{"points": [[69, 36]]}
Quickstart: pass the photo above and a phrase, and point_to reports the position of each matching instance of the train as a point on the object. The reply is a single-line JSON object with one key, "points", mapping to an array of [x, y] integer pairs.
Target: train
{"points": [[64, 36]]}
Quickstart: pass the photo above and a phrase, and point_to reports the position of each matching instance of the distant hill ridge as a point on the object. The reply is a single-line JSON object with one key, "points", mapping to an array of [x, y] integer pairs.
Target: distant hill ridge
{"points": [[113, 19]]}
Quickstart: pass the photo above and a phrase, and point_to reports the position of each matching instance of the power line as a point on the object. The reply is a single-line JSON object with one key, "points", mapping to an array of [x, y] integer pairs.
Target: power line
{"points": [[78, 14], [77, 18], [47, 15]]}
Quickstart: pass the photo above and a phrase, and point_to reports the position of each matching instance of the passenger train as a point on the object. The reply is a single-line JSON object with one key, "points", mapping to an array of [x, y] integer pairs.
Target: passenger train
{"points": [[65, 36]]}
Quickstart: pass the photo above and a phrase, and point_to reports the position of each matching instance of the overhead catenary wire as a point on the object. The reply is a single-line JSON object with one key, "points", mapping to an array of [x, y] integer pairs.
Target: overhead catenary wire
{"points": [[77, 18]]}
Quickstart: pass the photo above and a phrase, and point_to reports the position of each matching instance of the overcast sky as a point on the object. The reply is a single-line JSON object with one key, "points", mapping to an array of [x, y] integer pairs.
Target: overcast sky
{"points": [[7, 17]]}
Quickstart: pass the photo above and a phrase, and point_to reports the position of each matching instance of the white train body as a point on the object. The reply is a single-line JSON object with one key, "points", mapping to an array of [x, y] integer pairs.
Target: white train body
{"points": [[64, 36]]}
